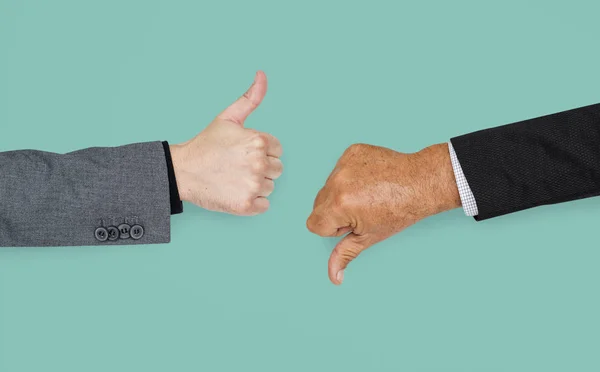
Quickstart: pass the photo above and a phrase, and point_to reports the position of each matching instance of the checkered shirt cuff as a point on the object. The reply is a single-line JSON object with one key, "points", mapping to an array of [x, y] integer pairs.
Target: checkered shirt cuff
{"points": [[466, 195]]}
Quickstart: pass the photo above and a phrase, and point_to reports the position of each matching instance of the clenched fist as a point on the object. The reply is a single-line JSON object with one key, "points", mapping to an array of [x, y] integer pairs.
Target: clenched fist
{"points": [[229, 168], [374, 193]]}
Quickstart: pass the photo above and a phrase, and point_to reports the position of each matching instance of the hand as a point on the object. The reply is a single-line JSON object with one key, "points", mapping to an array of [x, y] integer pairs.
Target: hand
{"points": [[374, 193], [229, 168]]}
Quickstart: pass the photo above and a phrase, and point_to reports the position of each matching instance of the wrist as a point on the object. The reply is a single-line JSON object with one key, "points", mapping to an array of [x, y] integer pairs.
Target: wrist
{"points": [[441, 189]]}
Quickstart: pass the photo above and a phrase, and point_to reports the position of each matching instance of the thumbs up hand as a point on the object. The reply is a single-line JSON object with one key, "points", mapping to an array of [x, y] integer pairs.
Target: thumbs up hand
{"points": [[374, 193], [229, 168]]}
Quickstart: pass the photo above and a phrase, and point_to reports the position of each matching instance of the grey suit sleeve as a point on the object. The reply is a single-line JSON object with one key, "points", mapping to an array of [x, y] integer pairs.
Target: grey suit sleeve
{"points": [[95, 196]]}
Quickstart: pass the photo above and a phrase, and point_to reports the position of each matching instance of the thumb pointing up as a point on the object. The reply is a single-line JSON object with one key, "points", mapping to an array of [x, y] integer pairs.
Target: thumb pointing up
{"points": [[240, 109]]}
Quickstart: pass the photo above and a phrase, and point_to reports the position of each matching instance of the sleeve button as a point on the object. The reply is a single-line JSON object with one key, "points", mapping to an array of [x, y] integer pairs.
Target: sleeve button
{"points": [[136, 232], [124, 230], [113, 233], [101, 234]]}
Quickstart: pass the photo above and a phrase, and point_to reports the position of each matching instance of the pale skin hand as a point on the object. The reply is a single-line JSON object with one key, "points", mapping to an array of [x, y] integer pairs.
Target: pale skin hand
{"points": [[229, 168], [374, 193]]}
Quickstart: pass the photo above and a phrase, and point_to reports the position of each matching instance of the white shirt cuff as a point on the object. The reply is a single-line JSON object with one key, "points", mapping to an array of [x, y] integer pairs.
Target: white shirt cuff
{"points": [[466, 195]]}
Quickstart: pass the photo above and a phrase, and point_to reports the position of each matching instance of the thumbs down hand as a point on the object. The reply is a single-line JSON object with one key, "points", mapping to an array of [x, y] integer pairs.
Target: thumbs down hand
{"points": [[374, 193], [226, 167]]}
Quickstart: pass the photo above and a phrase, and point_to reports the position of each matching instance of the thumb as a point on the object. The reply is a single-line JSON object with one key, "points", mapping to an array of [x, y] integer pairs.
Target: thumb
{"points": [[240, 109], [345, 251]]}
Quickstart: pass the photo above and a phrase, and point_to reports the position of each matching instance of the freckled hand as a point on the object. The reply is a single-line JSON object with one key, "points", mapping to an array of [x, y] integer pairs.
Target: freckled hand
{"points": [[375, 192]]}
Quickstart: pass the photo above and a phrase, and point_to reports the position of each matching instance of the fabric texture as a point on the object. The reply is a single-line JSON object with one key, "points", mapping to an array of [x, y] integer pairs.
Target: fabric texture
{"points": [[467, 198], [112, 195], [546, 160]]}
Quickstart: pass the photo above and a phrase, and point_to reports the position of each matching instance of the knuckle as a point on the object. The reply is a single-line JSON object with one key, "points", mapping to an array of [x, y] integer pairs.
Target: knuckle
{"points": [[348, 254], [260, 141], [341, 176], [336, 178], [253, 188], [359, 146], [356, 148], [342, 199], [259, 166]]}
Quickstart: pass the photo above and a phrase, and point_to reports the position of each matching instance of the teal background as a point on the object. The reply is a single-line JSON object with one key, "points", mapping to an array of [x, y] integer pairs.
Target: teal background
{"points": [[516, 293]]}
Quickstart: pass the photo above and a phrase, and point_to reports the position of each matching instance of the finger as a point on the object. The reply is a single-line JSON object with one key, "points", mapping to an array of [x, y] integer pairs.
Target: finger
{"points": [[240, 109], [267, 142], [324, 222], [261, 205], [274, 168], [267, 188], [274, 147], [345, 251]]}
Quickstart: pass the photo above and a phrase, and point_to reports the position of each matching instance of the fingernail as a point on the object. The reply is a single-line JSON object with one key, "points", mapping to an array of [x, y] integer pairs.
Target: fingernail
{"points": [[340, 276]]}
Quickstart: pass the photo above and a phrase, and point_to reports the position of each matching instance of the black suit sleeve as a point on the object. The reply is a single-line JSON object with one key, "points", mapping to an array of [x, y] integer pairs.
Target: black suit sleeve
{"points": [[546, 160]]}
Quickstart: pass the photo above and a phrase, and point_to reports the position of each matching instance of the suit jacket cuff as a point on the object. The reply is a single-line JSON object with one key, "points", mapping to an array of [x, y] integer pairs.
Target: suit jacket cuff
{"points": [[176, 203]]}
